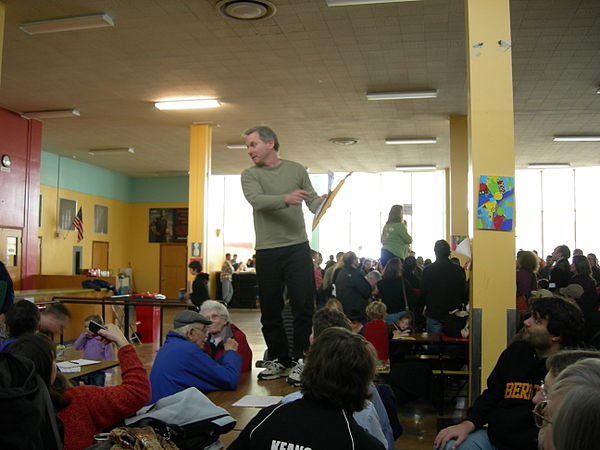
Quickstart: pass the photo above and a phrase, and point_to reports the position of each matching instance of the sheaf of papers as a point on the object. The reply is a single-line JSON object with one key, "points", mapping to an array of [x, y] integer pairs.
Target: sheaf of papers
{"points": [[258, 401], [74, 365]]}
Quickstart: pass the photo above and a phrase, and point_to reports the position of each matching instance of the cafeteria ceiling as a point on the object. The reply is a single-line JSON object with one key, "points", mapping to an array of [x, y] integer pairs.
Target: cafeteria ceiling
{"points": [[305, 72]]}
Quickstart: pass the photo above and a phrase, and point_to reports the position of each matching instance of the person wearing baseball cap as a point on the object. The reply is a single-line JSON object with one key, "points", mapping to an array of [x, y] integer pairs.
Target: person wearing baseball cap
{"points": [[181, 362]]}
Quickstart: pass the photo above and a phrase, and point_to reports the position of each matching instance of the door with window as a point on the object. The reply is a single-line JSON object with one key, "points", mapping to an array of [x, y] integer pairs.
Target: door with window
{"points": [[173, 269], [10, 253]]}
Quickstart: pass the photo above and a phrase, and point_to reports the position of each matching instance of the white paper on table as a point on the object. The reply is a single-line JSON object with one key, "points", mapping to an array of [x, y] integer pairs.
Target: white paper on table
{"points": [[83, 362], [68, 367], [258, 401]]}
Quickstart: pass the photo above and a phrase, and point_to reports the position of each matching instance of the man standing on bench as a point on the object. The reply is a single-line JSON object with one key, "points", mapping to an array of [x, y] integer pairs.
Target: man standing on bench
{"points": [[276, 189]]}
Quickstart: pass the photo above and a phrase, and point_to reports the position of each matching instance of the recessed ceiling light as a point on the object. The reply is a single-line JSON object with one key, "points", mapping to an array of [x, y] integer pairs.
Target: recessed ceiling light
{"points": [[51, 114], [344, 141], [67, 24], [549, 165], [415, 168], [576, 138], [188, 104], [101, 151], [402, 95], [236, 146], [411, 141], [246, 10], [363, 2]]}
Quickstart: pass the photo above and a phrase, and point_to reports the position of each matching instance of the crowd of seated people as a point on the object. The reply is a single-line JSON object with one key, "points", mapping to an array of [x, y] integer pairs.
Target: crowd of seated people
{"points": [[370, 305]]}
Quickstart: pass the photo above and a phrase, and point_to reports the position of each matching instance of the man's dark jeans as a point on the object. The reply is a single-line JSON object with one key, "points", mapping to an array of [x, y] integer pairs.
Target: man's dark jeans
{"points": [[292, 267]]}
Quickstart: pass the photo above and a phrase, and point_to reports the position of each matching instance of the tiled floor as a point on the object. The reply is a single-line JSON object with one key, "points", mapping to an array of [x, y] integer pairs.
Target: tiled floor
{"points": [[420, 420]]}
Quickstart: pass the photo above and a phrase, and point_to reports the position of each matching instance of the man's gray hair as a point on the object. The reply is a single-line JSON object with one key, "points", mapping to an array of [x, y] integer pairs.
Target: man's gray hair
{"points": [[373, 275], [576, 423], [209, 305], [265, 134], [585, 372]]}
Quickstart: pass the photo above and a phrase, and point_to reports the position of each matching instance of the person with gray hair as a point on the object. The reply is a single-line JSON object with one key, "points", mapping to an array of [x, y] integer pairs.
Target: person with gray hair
{"points": [[220, 331], [577, 422], [276, 188], [572, 428], [181, 363]]}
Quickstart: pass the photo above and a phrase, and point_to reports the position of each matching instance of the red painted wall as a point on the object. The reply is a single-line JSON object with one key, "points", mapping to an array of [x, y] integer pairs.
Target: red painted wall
{"points": [[21, 139]]}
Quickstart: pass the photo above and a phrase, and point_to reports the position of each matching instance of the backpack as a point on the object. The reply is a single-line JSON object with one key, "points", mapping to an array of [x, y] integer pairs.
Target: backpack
{"points": [[188, 418], [27, 417]]}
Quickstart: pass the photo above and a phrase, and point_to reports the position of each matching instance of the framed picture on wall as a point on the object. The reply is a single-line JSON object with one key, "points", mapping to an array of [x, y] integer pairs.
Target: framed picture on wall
{"points": [[167, 224]]}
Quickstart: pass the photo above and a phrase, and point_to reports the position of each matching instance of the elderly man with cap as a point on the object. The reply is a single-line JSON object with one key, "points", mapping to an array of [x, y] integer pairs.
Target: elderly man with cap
{"points": [[181, 363]]}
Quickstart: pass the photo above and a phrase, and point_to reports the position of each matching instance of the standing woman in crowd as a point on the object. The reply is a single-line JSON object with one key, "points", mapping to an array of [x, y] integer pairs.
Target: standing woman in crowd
{"points": [[595, 269], [394, 290], [527, 266], [582, 275], [394, 237]]}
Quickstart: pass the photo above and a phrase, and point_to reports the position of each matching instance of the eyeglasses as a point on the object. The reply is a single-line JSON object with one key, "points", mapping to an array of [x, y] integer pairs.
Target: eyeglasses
{"points": [[539, 414]]}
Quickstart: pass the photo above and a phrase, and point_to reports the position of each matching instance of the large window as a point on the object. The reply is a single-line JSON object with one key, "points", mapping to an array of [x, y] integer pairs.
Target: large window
{"points": [[100, 219], [556, 206], [66, 213], [354, 221]]}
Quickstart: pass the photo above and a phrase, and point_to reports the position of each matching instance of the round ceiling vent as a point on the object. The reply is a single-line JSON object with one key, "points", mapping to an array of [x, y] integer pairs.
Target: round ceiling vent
{"points": [[246, 9], [344, 141]]}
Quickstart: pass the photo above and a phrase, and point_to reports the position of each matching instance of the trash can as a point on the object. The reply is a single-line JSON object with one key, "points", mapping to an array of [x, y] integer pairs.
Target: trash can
{"points": [[148, 323]]}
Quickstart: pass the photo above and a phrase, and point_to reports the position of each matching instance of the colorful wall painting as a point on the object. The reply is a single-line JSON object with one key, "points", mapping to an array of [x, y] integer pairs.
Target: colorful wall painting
{"points": [[496, 206]]}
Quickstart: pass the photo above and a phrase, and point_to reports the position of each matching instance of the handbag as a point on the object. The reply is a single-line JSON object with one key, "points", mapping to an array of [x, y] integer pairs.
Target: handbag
{"points": [[188, 418]]}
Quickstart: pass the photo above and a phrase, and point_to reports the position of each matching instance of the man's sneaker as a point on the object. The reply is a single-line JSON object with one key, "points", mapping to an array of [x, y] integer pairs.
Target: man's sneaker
{"points": [[296, 373], [260, 363], [273, 370]]}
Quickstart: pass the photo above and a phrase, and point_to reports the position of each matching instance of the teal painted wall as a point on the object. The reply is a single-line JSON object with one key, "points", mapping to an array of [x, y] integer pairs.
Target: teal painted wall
{"points": [[160, 189], [87, 179]]}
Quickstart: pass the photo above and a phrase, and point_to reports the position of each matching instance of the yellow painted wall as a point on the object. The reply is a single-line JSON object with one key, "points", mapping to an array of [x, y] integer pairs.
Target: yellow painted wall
{"points": [[127, 237], [57, 252], [145, 256]]}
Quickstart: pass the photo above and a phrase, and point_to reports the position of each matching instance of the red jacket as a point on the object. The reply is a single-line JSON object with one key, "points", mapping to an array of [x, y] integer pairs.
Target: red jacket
{"points": [[215, 352], [93, 408]]}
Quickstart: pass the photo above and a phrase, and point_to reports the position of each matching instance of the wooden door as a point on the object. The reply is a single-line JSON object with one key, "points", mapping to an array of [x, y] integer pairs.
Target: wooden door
{"points": [[173, 269], [100, 255], [10, 253]]}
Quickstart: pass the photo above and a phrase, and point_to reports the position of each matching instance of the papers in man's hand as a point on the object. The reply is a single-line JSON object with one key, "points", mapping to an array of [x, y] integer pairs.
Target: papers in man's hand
{"points": [[74, 365], [258, 401]]}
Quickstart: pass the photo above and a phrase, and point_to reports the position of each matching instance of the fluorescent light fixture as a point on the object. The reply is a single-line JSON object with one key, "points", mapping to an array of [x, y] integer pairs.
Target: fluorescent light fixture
{"points": [[411, 141], [415, 168], [363, 2], [67, 24], [236, 146], [402, 95], [576, 138], [102, 151], [549, 165], [51, 114], [188, 104], [598, 91]]}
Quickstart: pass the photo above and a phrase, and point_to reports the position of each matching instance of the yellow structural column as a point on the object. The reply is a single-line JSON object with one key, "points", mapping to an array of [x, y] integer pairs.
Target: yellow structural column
{"points": [[459, 174], [199, 172], [491, 152]]}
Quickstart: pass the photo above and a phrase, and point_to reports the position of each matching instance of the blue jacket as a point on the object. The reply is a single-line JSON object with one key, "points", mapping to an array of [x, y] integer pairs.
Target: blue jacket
{"points": [[180, 364]]}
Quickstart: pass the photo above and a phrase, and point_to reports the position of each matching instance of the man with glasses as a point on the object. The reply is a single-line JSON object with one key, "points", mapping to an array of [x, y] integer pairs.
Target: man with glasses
{"points": [[505, 406], [181, 363], [220, 331]]}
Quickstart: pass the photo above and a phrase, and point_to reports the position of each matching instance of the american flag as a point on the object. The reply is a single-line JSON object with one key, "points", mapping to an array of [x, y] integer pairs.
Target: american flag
{"points": [[78, 224]]}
